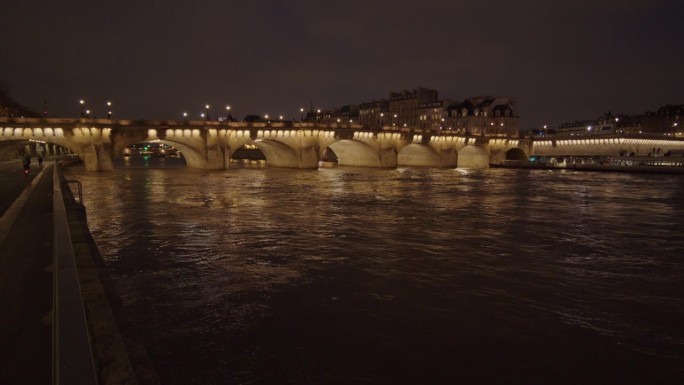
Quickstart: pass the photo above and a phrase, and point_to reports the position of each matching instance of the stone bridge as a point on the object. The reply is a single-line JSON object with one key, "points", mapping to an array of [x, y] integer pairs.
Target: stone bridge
{"points": [[210, 145]]}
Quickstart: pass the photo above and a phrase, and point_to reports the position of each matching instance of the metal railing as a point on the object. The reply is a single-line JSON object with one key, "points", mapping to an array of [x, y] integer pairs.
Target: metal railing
{"points": [[72, 354], [79, 189]]}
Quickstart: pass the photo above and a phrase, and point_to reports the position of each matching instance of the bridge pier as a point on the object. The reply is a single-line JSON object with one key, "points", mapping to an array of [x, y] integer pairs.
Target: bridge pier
{"points": [[218, 158], [97, 157]]}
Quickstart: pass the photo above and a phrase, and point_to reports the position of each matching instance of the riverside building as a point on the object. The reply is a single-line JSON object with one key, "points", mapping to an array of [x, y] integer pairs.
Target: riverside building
{"points": [[665, 121], [422, 108]]}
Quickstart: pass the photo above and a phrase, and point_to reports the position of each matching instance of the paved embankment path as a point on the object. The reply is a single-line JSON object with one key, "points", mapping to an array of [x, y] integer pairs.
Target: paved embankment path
{"points": [[26, 260]]}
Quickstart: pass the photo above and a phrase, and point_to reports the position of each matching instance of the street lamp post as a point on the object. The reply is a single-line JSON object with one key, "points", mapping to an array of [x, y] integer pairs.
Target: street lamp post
{"points": [[109, 110], [207, 107], [82, 102], [229, 117], [301, 114]]}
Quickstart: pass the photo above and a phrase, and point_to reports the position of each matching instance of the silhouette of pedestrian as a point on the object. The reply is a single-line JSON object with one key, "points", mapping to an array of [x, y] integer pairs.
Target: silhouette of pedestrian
{"points": [[26, 162], [40, 161]]}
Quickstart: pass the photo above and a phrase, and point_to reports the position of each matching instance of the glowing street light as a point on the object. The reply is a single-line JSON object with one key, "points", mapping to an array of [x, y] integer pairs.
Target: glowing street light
{"points": [[82, 102], [185, 114], [109, 110], [207, 107], [301, 114]]}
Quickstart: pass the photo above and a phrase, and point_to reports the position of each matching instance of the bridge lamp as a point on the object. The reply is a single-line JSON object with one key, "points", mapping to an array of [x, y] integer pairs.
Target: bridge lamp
{"points": [[82, 102], [280, 117], [202, 114], [301, 113], [109, 110], [87, 112], [185, 114]]}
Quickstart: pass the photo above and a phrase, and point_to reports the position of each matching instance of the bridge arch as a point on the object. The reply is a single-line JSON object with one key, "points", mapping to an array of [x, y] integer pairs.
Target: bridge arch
{"points": [[516, 154], [277, 154], [10, 145], [473, 157], [193, 157], [355, 153], [418, 155]]}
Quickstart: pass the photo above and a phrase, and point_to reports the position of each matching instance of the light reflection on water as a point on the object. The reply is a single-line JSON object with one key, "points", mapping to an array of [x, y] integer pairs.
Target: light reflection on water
{"points": [[396, 276]]}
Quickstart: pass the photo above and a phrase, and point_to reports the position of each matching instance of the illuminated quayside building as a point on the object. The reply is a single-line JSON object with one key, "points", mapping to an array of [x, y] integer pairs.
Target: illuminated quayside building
{"points": [[422, 108], [663, 122]]}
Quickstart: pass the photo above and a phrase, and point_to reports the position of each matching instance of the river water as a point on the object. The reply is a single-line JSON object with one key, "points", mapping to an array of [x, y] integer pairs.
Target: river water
{"points": [[411, 276]]}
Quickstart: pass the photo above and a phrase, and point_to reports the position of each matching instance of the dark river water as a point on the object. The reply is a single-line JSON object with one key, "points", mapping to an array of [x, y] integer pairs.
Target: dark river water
{"points": [[396, 276]]}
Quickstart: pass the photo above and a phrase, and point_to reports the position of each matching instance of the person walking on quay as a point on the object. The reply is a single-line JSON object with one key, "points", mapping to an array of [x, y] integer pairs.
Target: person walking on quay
{"points": [[26, 162], [40, 161]]}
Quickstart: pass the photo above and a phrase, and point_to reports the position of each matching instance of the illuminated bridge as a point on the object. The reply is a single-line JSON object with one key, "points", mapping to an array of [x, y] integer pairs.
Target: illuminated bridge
{"points": [[211, 144]]}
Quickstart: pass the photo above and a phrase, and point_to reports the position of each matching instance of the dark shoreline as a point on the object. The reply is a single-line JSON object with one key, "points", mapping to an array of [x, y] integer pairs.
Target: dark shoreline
{"points": [[597, 167]]}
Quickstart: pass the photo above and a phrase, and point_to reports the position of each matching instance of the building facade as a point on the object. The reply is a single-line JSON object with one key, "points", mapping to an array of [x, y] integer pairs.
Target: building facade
{"points": [[422, 108], [665, 121]]}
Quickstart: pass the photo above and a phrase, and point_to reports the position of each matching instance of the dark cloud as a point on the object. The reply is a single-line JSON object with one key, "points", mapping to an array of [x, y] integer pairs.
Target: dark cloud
{"points": [[156, 59]]}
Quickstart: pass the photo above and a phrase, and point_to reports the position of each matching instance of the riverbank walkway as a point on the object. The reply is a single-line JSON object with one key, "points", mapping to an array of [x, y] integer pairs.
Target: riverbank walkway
{"points": [[44, 335], [61, 320], [26, 274]]}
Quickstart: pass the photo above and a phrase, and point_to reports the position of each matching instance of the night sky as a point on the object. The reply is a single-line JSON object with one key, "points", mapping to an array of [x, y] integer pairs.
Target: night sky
{"points": [[561, 61]]}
